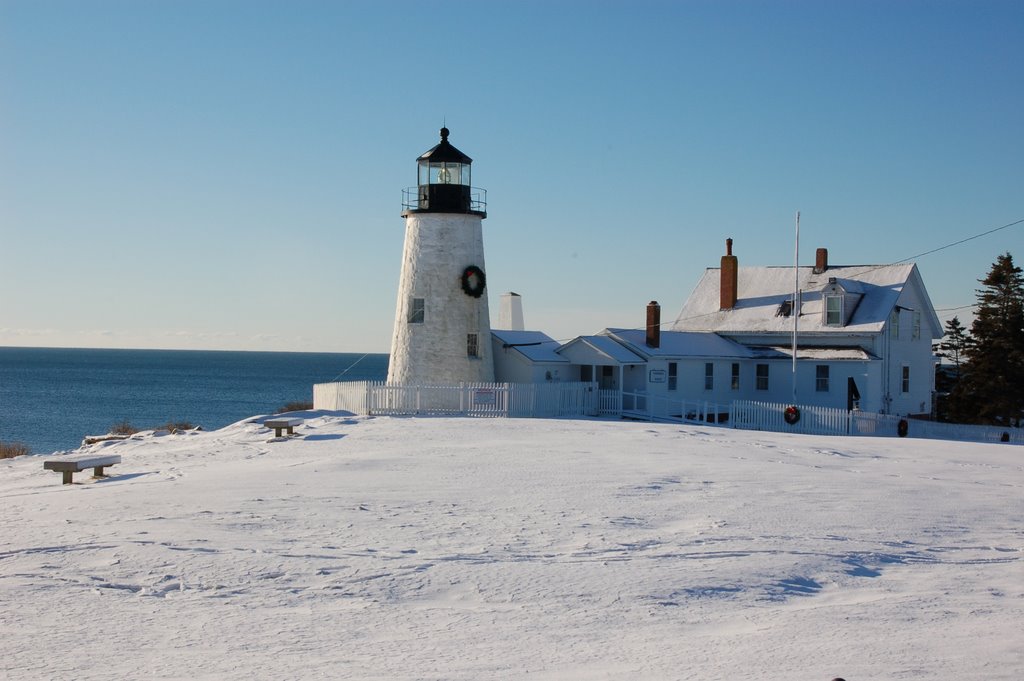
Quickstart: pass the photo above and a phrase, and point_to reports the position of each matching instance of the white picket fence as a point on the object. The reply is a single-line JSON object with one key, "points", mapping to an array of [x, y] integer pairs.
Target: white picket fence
{"points": [[540, 400], [350, 396], [826, 421], [934, 430], [749, 415], [560, 400], [609, 403], [673, 410]]}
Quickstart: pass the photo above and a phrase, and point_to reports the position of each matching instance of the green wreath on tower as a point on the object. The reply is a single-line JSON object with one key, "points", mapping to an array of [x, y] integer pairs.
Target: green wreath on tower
{"points": [[473, 281]]}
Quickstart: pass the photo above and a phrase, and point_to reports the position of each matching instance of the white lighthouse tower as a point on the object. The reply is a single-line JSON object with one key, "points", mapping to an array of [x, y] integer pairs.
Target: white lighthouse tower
{"points": [[442, 325]]}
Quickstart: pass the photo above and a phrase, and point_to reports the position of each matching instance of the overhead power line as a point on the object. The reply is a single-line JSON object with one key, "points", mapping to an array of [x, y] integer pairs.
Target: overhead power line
{"points": [[897, 262], [962, 241]]}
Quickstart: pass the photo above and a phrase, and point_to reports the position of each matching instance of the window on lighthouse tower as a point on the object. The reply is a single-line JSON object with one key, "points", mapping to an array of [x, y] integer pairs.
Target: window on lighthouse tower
{"points": [[472, 345], [416, 311]]}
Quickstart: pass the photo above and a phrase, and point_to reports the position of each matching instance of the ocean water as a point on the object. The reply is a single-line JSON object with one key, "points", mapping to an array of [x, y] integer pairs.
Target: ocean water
{"points": [[50, 398]]}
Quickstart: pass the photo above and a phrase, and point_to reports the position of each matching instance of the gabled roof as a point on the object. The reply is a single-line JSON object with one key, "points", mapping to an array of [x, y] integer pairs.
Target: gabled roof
{"points": [[534, 345], [761, 291], [599, 350], [680, 344]]}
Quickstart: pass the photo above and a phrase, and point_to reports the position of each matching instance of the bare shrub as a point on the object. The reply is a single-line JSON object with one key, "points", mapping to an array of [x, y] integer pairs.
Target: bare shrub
{"points": [[176, 426], [123, 428], [9, 450]]}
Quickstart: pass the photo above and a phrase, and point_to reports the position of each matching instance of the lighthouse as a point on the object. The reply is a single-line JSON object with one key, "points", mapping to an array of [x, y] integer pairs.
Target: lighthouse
{"points": [[442, 326]]}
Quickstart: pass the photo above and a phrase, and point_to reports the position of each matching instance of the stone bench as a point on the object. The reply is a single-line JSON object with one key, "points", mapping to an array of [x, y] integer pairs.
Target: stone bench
{"points": [[279, 425], [75, 464]]}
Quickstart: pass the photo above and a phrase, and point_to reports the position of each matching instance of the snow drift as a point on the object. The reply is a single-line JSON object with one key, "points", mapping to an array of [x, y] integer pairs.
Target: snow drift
{"points": [[402, 548]]}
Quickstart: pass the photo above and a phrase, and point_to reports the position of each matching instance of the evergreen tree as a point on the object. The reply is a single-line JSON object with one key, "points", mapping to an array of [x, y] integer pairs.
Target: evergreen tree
{"points": [[954, 344], [953, 347], [992, 388]]}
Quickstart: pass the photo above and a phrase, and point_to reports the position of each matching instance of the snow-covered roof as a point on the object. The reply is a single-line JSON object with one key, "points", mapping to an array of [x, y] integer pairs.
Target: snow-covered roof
{"points": [[680, 344], [598, 350], [534, 345], [783, 352], [761, 290]]}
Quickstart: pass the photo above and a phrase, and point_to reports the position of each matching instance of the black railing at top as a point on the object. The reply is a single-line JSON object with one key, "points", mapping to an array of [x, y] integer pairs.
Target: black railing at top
{"points": [[477, 199]]}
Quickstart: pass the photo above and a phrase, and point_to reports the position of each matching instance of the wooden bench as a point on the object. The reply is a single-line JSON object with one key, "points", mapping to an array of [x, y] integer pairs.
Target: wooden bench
{"points": [[282, 424], [74, 464]]}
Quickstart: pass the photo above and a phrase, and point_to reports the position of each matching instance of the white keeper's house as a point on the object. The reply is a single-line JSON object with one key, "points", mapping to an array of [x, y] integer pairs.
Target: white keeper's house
{"points": [[864, 335]]}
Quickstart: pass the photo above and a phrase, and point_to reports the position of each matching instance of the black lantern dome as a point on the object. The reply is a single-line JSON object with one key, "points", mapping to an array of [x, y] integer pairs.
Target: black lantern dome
{"points": [[443, 183]]}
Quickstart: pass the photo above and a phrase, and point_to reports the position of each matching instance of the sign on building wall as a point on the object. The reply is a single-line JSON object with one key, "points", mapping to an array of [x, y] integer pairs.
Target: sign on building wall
{"points": [[483, 396], [657, 376]]}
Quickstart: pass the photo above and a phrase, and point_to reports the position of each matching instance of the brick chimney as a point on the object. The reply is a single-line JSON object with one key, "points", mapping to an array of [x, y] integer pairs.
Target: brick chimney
{"points": [[730, 274], [653, 324], [820, 260]]}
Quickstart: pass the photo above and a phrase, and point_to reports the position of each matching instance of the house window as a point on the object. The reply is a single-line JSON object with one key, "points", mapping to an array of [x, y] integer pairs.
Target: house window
{"points": [[473, 345], [821, 378], [416, 312], [673, 375], [916, 328], [735, 376], [834, 310], [762, 376], [709, 376], [905, 380], [894, 324]]}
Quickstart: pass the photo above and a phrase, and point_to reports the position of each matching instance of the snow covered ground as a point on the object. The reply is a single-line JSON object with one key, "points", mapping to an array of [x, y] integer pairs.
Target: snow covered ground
{"points": [[400, 548]]}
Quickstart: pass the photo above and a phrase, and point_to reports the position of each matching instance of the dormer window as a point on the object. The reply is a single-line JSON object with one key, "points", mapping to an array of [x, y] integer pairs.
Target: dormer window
{"points": [[833, 310], [835, 299]]}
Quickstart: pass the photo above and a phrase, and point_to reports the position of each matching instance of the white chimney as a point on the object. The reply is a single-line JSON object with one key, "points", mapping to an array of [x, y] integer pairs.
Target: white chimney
{"points": [[510, 316]]}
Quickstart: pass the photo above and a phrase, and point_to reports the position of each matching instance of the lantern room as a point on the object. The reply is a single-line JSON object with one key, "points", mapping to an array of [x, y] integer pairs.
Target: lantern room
{"points": [[443, 183]]}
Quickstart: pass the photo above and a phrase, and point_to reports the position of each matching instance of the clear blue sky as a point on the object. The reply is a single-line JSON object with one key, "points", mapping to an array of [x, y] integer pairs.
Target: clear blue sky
{"points": [[228, 175]]}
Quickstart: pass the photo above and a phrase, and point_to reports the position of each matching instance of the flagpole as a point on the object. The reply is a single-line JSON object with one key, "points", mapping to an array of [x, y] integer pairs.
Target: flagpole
{"points": [[796, 297]]}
